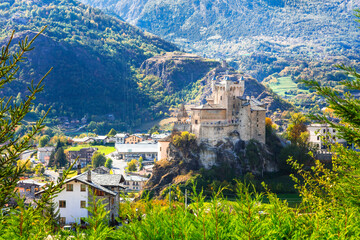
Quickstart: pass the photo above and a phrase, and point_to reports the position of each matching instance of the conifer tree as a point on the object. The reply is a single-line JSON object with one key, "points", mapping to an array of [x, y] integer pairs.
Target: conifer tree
{"points": [[11, 116]]}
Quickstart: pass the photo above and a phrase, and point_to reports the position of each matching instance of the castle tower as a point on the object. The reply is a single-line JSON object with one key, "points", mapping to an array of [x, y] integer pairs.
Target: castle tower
{"points": [[225, 94]]}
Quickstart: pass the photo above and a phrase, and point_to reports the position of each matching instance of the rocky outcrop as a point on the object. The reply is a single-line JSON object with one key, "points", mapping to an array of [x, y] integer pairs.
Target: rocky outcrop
{"points": [[231, 151], [177, 70]]}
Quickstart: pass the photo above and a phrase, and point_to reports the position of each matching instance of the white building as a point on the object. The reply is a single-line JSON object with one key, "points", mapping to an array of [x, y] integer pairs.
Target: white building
{"points": [[148, 150], [120, 138], [323, 134], [74, 198]]}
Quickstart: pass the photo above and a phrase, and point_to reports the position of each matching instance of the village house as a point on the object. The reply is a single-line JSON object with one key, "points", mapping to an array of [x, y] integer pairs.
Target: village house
{"points": [[323, 134], [134, 183], [27, 189], [120, 138], [84, 154], [133, 139], [77, 192], [44, 153], [102, 170]]}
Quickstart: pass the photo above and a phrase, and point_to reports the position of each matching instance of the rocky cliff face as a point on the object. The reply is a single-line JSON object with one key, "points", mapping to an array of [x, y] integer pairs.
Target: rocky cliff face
{"points": [[177, 70], [230, 152]]}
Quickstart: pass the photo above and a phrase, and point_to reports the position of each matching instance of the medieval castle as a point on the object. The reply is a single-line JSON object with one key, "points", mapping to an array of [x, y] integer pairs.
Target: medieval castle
{"points": [[226, 113]]}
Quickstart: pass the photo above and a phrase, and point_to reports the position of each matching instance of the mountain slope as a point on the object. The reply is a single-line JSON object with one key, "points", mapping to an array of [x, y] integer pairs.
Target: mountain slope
{"points": [[93, 56], [230, 28]]}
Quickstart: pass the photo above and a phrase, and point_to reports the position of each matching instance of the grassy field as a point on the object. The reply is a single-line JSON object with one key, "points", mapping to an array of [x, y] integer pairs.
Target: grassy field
{"points": [[283, 85], [102, 149]]}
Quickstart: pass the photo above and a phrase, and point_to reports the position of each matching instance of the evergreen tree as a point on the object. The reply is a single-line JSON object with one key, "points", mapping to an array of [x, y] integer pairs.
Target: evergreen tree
{"points": [[52, 159], [112, 133], [60, 158], [11, 117]]}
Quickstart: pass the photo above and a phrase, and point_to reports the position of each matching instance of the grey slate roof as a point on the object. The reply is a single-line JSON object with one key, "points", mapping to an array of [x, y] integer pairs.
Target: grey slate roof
{"points": [[103, 168], [98, 181]]}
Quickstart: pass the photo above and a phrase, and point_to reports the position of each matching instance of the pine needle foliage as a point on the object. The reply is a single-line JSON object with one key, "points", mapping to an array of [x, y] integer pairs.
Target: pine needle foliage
{"points": [[11, 116]]}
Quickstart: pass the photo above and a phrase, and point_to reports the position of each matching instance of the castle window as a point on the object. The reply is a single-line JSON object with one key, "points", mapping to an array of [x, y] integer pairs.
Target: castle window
{"points": [[220, 97]]}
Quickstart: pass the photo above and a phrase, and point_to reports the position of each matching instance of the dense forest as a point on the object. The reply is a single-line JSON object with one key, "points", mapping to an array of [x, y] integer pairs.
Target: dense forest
{"points": [[94, 57]]}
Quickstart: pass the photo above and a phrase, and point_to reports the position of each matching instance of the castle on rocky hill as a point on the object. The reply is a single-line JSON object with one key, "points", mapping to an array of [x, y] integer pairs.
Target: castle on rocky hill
{"points": [[227, 113]]}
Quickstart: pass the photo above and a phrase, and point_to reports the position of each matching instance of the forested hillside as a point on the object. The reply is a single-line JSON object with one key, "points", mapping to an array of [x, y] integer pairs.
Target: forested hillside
{"points": [[263, 38], [93, 55], [99, 64], [231, 28]]}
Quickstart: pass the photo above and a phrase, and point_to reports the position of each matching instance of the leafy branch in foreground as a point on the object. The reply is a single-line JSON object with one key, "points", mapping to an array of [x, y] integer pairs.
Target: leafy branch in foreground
{"points": [[338, 187]]}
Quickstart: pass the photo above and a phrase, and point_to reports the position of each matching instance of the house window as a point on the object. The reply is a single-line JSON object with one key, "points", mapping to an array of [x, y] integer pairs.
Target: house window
{"points": [[69, 187], [82, 204], [318, 138], [334, 130], [99, 193], [62, 220], [62, 204], [83, 188]]}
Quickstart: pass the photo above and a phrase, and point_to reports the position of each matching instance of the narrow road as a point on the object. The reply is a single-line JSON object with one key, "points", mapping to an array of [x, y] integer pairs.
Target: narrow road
{"points": [[118, 165], [53, 175]]}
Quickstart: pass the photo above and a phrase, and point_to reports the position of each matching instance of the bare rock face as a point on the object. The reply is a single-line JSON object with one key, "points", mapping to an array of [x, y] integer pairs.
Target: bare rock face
{"points": [[240, 156]]}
